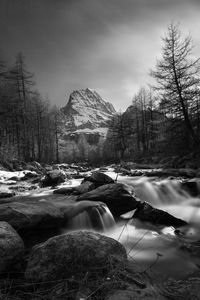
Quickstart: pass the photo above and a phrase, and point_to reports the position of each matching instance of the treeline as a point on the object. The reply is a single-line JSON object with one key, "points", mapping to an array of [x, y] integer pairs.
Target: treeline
{"points": [[29, 125], [163, 120]]}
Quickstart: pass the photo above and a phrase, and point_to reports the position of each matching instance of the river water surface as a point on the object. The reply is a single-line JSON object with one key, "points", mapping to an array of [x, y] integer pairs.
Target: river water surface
{"points": [[151, 247]]}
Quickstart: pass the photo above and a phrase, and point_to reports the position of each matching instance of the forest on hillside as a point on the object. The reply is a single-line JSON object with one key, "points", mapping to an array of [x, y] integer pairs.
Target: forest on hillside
{"points": [[162, 121]]}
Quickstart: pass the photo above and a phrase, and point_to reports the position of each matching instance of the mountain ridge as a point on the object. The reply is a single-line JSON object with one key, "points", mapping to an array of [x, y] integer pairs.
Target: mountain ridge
{"points": [[86, 109], [85, 125]]}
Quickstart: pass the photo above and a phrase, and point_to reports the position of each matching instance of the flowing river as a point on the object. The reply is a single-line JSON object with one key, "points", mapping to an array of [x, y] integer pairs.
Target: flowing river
{"points": [[153, 248]]}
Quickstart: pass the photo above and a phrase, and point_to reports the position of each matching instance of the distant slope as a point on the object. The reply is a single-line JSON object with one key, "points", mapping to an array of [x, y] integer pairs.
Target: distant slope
{"points": [[87, 110], [85, 125]]}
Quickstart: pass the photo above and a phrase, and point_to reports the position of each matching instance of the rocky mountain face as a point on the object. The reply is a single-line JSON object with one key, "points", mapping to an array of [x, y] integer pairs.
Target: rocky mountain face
{"points": [[85, 125]]}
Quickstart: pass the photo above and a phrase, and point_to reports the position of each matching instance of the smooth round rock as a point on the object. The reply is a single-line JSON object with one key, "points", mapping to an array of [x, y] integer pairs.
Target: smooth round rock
{"points": [[11, 247], [70, 254]]}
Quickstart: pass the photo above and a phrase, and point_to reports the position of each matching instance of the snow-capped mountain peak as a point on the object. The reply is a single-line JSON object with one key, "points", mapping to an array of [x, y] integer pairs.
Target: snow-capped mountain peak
{"points": [[87, 110]]}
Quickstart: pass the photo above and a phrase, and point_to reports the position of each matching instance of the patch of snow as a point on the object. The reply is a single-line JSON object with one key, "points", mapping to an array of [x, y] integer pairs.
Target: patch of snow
{"points": [[6, 175]]}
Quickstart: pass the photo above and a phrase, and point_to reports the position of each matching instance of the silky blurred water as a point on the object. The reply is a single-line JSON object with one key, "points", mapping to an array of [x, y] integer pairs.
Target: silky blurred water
{"points": [[156, 245]]}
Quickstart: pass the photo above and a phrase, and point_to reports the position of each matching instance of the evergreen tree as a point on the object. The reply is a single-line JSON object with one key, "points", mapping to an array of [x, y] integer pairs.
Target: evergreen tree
{"points": [[177, 76]]}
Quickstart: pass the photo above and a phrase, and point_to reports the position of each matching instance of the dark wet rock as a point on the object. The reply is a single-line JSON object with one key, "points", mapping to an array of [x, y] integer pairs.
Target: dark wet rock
{"points": [[6, 193], [77, 190], [15, 178], [11, 247], [137, 173], [84, 187], [116, 196], [191, 186], [53, 178], [187, 172], [182, 289], [70, 254], [66, 190], [29, 175], [146, 213], [24, 216], [98, 178]]}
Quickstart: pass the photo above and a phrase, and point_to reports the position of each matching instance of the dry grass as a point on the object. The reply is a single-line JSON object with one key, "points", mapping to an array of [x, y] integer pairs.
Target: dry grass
{"points": [[93, 284]]}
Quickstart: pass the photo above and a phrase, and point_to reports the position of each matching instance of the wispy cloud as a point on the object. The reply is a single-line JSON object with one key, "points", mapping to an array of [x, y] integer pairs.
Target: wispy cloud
{"points": [[108, 45]]}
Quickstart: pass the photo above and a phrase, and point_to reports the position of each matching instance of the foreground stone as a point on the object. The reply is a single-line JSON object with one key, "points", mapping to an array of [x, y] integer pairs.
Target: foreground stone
{"points": [[28, 216], [146, 213], [70, 254], [11, 247], [116, 196]]}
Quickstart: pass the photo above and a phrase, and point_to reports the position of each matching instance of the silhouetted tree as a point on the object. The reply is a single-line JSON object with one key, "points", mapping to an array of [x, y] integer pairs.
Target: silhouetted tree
{"points": [[177, 76], [119, 133]]}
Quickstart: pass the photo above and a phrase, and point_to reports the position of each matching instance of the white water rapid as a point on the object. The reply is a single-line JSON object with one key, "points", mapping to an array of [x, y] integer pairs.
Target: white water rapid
{"points": [[97, 218], [155, 246]]}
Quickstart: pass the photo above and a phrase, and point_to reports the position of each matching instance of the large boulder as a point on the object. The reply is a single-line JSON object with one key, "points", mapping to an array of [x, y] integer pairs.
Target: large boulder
{"points": [[53, 178], [11, 247], [72, 254], [98, 178], [117, 196], [30, 216], [145, 212]]}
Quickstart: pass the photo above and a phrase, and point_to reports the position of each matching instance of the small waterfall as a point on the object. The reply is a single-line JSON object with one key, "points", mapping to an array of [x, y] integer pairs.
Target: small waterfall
{"points": [[98, 218], [161, 193], [170, 196]]}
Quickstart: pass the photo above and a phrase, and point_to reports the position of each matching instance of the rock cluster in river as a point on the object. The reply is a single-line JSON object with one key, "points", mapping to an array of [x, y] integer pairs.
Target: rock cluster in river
{"points": [[82, 255]]}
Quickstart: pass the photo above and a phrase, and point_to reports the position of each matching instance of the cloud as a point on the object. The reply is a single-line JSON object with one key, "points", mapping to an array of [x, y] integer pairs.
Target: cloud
{"points": [[108, 45]]}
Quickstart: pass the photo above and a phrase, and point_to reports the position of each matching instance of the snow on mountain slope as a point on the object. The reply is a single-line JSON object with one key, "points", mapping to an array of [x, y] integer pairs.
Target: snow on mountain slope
{"points": [[87, 110], [85, 126]]}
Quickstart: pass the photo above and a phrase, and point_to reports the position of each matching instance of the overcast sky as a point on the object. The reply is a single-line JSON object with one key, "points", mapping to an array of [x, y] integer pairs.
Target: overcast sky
{"points": [[107, 45]]}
